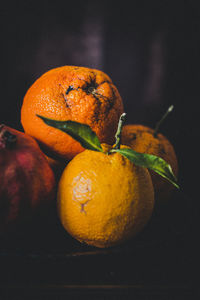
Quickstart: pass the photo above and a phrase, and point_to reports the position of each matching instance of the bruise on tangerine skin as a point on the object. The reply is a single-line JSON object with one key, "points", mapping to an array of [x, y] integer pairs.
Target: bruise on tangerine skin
{"points": [[70, 88], [110, 101], [162, 149], [90, 88], [83, 206], [133, 136]]}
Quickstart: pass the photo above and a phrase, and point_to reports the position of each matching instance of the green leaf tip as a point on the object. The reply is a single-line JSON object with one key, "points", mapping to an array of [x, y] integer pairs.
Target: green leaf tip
{"points": [[80, 132], [150, 161]]}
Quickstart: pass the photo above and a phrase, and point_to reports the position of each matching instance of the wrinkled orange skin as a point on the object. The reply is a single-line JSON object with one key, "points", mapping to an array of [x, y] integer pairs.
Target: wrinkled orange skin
{"points": [[27, 182], [104, 200], [141, 139], [71, 93]]}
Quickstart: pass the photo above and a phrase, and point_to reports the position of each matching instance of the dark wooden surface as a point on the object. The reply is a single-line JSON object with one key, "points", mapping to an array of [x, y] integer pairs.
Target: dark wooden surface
{"points": [[159, 263]]}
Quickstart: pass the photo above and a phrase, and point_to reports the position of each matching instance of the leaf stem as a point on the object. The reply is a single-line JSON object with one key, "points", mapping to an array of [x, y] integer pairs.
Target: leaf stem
{"points": [[119, 131], [162, 119]]}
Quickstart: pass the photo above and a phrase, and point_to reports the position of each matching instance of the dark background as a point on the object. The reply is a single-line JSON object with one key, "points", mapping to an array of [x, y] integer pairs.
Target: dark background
{"points": [[150, 49]]}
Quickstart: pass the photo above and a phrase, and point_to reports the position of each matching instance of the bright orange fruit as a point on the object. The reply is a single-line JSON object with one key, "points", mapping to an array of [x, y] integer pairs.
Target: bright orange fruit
{"points": [[71, 93]]}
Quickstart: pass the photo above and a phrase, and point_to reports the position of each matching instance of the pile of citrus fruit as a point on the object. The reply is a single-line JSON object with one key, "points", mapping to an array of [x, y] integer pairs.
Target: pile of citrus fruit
{"points": [[108, 177]]}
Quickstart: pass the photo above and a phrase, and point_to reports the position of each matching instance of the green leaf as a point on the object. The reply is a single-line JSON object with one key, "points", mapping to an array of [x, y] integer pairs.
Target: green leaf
{"points": [[80, 132], [149, 161]]}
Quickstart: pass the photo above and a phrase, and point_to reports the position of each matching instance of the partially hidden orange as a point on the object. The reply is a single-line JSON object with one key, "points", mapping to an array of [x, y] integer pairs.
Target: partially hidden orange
{"points": [[74, 93], [104, 199], [142, 139]]}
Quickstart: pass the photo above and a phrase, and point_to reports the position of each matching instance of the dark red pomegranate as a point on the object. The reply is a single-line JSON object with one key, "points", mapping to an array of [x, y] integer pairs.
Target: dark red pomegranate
{"points": [[27, 183]]}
